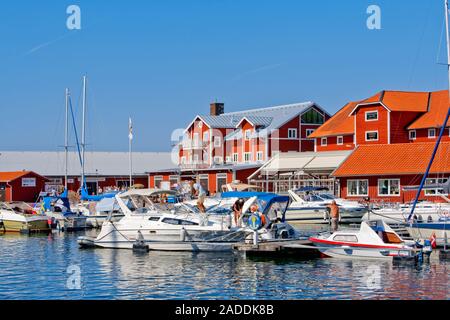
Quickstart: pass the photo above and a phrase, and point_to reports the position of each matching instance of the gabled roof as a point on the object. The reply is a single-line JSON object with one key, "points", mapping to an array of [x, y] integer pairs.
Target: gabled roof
{"points": [[13, 175], [395, 160], [340, 124], [431, 104], [97, 163], [438, 108], [267, 118]]}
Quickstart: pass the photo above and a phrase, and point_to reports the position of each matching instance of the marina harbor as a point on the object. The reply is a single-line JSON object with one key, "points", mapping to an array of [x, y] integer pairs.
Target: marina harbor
{"points": [[202, 161]]}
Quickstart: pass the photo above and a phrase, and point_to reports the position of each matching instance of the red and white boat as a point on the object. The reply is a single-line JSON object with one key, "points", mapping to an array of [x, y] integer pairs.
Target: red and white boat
{"points": [[373, 240]]}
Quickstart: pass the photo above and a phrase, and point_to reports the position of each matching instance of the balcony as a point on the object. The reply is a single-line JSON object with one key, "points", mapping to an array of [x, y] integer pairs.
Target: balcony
{"points": [[193, 144]]}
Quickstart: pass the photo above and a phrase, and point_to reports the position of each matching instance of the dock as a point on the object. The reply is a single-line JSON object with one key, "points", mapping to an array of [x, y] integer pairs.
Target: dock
{"points": [[291, 248]]}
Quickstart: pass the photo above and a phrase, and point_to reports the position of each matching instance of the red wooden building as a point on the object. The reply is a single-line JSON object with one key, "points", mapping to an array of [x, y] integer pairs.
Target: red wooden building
{"points": [[381, 172], [388, 117], [223, 147], [21, 186]]}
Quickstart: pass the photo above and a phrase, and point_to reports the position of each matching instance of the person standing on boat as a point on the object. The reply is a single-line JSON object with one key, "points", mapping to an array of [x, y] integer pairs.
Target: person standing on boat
{"points": [[200, 193], [334, 215]]}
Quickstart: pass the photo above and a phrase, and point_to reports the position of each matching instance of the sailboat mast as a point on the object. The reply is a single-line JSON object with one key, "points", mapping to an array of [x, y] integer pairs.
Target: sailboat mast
{"points": [[66, 140], [444, 125], [83, 134]]}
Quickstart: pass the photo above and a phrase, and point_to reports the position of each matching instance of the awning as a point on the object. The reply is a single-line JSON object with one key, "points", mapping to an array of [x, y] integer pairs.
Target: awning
{"points": [[303, 162]]}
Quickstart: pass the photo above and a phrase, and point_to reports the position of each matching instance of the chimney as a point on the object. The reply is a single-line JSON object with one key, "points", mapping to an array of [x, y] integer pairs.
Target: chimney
{"points": [[217, 109]]}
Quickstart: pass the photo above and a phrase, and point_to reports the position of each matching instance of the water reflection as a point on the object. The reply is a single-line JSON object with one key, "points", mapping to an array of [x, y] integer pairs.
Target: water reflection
{"points": [[35, 267]]}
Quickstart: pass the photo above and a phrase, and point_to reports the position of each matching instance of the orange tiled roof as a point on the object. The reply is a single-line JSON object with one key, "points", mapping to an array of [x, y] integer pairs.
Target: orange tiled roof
{"points": [[438, 108], [395, 159], [10, 176], [340, 123], [402, 101]]}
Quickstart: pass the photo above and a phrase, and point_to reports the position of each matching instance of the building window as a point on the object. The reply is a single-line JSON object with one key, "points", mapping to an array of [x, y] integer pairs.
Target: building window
{"points": [[309, 132], [357, 188], [340, 140], [371, 135], [174, 180], [221, 181], [28, 182], [431, 133], [313, 117], [235, 157], [389, 187], [227, 159], [324, 142], [247, 157], [412, 135], [218, 160], [204, 181], [158, 180], [217, 142], [196, 158], [292, 133], [437, 191], [371, 115], [205, 136], [259, 156], [247, 134]]}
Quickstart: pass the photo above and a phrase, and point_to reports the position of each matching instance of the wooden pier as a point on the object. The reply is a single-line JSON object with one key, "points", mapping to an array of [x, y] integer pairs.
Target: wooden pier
{"points": [[292, 248]]}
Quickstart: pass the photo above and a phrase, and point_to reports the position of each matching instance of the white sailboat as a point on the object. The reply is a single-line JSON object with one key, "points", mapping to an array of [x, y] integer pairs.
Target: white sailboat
{"points": [[438, 229]]}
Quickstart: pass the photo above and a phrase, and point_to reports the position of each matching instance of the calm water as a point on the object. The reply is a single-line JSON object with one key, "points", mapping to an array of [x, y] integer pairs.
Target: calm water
{"points": [[35, 267]]}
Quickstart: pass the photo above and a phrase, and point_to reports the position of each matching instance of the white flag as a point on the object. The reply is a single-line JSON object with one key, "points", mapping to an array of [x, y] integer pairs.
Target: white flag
{"points": [[130, 130]]}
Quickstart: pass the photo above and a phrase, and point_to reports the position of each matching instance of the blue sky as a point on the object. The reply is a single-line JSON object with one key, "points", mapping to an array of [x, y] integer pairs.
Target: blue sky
{"points": [[163, 62]]}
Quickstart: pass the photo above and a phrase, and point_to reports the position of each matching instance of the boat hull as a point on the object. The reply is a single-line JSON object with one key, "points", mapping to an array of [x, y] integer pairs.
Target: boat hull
{"points": [[25, 226], [319, 216], [426, 231]]}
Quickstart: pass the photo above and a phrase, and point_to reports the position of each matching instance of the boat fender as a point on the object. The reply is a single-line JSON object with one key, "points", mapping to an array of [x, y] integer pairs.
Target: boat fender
{"points": [[139, 245], [228, 221], [183, 234]]}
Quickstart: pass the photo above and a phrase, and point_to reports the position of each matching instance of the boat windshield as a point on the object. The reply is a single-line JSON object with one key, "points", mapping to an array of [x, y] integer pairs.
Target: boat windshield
{"points": [[327, 196]]}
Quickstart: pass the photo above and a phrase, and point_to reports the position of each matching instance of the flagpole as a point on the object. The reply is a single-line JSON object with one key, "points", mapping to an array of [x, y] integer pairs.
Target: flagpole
{"points": [[130, 139]]}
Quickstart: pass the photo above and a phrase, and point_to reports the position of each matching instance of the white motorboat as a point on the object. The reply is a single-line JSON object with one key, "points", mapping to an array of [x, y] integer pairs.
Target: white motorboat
{"points": [[398, 214], [20, 217], [97, 213], [156, 221], [373, 240], [313, 208]]}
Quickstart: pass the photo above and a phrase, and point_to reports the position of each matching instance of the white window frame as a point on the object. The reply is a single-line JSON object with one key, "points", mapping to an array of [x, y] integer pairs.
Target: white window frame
{"points": [[410, 134], [247, 134], [158, 178], [292, 133], [431, 136], [29, 182], [218, 160], [217, 142], [373, 131], [389, 188], [205, 136], [310, 132], [259, 156], [235, 157], [428, 193], [342, 140], [322, 144], [249, 154], [358, 188], [369, 112], [228, 159]]}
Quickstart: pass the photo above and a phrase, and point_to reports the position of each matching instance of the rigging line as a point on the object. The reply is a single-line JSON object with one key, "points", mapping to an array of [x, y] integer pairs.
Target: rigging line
{"points": [[75, 130]]}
